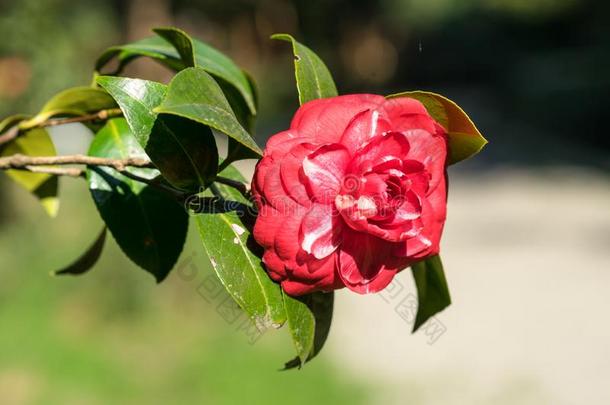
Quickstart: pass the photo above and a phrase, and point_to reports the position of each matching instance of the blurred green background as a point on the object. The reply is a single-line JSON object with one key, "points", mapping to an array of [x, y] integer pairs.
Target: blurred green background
{"points": [[533, 76]]}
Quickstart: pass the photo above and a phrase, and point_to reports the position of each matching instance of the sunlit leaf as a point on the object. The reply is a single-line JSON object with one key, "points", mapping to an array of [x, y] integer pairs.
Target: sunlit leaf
{"points": [[214, 62], [11, 121], [237, 151], [465, 140], [149, 225], [195, 95], [183, 150], [228, 242], [312, 76], [76, 101], [35, 142]]}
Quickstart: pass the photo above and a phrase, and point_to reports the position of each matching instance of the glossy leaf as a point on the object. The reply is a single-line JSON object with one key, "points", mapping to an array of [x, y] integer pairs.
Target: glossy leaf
{"points": [[309, 319], [205, 56], [465, 140], [35, 142], [302, 327], [88, 259], [221, 67], [432, 290], [195, 95], [228, 242], [149, 225], [313, 77], [73, 102], [183, 150], [136, 98], [181, 42], [154, 47], [237, 151]]}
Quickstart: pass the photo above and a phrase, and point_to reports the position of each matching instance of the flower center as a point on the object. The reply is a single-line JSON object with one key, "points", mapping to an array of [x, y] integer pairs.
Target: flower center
{"points": [[363, 207]]}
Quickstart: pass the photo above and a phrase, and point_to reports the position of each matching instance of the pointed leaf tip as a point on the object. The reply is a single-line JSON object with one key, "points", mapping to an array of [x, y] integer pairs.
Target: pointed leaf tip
{"points": [[313, 78], [87, 260], [432, 290]]}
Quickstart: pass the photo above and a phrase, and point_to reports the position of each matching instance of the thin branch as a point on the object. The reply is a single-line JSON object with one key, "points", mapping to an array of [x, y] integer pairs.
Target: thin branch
{"points": [[102, 115], [9, 135], [19, 161], [40, 165], [244, 189], [155, 182], [55, 171]]}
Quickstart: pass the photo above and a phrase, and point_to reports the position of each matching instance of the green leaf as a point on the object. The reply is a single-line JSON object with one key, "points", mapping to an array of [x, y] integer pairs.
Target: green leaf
{"points": [[148, 224], [221, 67], [465, 140], [136, 98], [194, 94], [236, 151], [309, 319], [312, 76], [228, 242], [88, 259], [76, 101], [174, 54], [183, 150], [432, 290], [12, 120], [35, 142], [153, 47], [302, 326], [180, 41]]}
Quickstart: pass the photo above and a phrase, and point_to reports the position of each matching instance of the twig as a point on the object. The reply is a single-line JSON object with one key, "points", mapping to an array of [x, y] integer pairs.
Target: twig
{"points": [[98, 116], [40, 165], [56, 171], [19, 161], [102, 115], [9, 135]]}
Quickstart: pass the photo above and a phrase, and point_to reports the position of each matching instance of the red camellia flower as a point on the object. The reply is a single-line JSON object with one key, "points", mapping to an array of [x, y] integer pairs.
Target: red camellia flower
{"points": [[352, 193]]}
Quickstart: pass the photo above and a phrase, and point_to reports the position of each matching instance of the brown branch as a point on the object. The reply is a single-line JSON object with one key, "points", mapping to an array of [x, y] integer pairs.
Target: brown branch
{"points": [[23, 162], [98, 116], [41, 165], [102, 115], [9, 135], [56, 171]]}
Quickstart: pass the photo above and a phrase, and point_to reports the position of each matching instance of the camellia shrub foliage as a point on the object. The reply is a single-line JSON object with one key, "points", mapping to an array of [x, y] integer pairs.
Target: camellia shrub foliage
{"points": [[352, 192]]}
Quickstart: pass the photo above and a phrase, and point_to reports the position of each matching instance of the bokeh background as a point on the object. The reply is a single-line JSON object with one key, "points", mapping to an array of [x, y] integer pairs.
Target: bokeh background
{"points": [[526, 247]]}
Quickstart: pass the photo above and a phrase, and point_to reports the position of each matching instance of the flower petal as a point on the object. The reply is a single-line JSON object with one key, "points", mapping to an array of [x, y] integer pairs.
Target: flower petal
{"points": [[268, 221], [274, 193], [291, 174], [325, 120], [434, 212], [431, 150], [408, 113], [362, 128], [321, 230], [390, 146], [366, 263], [325, 169], [286, 243], [279, 143]]}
